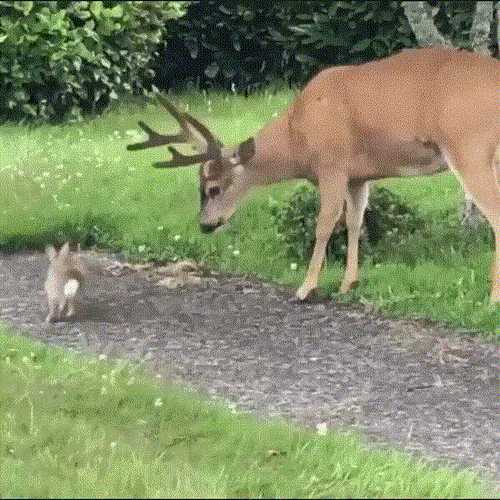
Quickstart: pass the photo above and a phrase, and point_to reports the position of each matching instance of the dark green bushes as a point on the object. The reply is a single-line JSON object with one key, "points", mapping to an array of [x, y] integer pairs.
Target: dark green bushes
{"points": [[247, 44], [389, 221]]}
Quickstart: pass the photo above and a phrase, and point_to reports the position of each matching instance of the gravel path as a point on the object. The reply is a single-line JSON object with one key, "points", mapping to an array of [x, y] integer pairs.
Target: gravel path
{"points": [[419, 388]]}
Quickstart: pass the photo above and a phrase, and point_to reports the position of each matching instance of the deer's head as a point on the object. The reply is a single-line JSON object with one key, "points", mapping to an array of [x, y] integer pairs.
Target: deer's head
{"points": [[223, 176]]}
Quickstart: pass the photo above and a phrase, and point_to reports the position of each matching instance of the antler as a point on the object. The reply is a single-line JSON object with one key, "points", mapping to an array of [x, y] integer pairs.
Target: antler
{"points": [[192, 131]]}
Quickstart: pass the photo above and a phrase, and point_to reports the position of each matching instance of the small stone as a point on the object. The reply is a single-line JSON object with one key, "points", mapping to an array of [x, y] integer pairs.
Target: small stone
{"points": [[170, 282]]}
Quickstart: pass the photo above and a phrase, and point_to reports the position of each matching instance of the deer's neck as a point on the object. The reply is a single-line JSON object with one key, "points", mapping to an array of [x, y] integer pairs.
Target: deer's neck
{"points": [[272, 161]]}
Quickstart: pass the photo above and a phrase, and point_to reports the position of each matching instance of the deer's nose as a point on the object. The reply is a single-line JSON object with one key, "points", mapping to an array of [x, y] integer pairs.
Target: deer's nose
{"points": [[208, 228]]}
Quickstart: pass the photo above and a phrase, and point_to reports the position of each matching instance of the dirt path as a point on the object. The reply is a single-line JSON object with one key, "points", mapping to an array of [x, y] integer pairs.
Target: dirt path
{"points": [[420, 388]]}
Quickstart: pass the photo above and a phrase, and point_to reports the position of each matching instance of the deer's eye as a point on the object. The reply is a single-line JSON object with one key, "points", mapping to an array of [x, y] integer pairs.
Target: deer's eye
{"points": [[214, 191]]}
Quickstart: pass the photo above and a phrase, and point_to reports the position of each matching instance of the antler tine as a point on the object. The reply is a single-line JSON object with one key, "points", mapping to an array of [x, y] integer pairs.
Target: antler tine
{"points": [[192, 131], [184, 117], [181, 160], [155, 139]]}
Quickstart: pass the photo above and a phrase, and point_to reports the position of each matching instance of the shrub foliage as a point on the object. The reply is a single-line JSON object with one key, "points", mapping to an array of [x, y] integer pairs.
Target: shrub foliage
{"points": [[247, 44], [388, 220], [61, 58]]}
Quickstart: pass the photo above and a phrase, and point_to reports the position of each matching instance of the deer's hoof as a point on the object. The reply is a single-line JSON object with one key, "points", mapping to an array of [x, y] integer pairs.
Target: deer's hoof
{"points": [[303, 293], [347, 287]]}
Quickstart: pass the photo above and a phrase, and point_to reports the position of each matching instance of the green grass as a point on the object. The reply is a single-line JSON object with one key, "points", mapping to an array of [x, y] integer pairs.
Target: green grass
{"points": [[72, 426], [78, 181]]}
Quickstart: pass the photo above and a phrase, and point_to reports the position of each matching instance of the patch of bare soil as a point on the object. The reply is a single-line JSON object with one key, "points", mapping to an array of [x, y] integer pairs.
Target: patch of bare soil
{"points": [[420, 388]]}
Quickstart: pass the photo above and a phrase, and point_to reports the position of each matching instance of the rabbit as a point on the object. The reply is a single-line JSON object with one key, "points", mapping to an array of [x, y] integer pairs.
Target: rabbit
{"points": [[65, 278]]}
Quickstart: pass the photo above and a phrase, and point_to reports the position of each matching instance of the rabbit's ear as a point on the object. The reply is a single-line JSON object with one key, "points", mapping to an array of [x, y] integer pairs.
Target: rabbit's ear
{"points": [[51, 252], [64, 252]]}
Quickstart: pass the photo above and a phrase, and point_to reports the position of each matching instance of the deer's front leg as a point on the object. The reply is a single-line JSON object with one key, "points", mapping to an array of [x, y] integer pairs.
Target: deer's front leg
{"points": [[332, 192]]}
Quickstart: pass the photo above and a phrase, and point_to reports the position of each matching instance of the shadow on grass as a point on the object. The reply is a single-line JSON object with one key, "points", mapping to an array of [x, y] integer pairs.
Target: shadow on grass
{"points": [[92, 230]]}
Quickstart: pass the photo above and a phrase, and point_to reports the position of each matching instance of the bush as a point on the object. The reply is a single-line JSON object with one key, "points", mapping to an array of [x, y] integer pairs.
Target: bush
{"points": [[62, 58], [245, 45], [388, 221]]}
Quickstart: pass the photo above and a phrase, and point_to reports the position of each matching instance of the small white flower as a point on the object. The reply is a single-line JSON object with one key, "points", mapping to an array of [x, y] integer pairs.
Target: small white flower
{"points": [[230, 247], [103, 390], [160, 228], [158, 402], [141, 248], [112, 445], [158, 375], [102, 357], [131, 380], [79, 174], [236, 253], [321, 428], [26, 359], [177, 237], [293, 266], [42, 185]]}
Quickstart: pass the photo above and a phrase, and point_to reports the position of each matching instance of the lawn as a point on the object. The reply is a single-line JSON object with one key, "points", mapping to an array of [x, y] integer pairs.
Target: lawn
{"points": [[78, 181], [72, 426]]}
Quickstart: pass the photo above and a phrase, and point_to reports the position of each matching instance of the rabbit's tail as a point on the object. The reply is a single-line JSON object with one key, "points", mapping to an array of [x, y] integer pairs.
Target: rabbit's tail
{"points": [[71, 288]]}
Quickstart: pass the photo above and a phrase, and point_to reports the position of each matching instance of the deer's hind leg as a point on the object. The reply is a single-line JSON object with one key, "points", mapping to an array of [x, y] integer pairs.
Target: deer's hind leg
{"points": [[475, 166], [357, 199]]}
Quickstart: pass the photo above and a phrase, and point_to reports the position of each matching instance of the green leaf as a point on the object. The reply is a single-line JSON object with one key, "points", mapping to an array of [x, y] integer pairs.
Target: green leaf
{"points": [[96, 8], [24, 7], [116, 11], [212, 70], [361, 45]]}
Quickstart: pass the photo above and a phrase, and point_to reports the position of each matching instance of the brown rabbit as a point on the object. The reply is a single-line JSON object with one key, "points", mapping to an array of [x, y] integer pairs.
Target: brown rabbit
{"points": [[64, 279]]}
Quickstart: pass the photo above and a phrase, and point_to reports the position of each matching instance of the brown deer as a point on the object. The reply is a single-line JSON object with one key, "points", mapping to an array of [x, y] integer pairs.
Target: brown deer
{"points": [[413, 113]]}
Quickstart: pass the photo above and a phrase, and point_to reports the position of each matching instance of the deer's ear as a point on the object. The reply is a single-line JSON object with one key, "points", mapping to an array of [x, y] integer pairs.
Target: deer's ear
{"points": [[64, 252], [51, 252], [246, 150]]}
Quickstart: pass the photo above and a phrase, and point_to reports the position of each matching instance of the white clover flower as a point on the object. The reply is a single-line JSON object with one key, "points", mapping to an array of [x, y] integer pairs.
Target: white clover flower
{"points": [[321, 428], [236, 253], [26, 359], [102, 357], [141, 248], [113, 445], [158, 402], [160, 228], [177, 237], [293, 266], [103, 391]]}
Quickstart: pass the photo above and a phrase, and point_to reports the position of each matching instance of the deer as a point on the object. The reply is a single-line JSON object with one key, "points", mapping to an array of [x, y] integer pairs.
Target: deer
{"points": [[417, 112]]}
